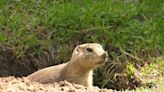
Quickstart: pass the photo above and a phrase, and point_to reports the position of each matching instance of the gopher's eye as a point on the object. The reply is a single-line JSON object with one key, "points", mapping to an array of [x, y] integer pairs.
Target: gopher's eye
{"points": [[89, 50]]}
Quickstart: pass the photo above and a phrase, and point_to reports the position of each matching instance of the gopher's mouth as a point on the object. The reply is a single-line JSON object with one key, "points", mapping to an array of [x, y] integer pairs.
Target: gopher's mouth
{"points": [[102, 61]]}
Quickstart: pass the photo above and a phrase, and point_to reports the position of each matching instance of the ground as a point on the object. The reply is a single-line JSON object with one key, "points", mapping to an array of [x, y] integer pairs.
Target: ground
{"points": [[12, 84]]}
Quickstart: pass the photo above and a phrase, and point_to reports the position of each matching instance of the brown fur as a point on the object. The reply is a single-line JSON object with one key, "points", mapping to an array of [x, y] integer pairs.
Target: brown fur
{"points": [[79, 69]]}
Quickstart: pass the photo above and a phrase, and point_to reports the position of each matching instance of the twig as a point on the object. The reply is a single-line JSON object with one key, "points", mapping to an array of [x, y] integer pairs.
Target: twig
{"points": [[126, 53]]}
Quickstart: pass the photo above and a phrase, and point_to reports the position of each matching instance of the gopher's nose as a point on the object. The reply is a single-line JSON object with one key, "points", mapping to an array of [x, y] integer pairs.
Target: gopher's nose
{"points": [[105, 55]]}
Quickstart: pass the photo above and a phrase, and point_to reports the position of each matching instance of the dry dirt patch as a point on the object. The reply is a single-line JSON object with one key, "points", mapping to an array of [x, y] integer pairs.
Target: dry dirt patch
{"points": [[12, 84]]}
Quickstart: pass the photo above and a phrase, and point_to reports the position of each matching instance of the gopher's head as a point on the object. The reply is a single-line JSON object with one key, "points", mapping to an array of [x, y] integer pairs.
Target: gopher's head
{"points": [[89, 55]]}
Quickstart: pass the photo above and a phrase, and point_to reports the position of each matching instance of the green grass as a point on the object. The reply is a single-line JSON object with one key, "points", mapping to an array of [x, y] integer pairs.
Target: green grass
{"points": [[136, 26]]}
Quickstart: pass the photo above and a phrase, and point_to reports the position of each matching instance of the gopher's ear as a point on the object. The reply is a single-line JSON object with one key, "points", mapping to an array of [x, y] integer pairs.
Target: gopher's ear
{"points": [[78, 49]]}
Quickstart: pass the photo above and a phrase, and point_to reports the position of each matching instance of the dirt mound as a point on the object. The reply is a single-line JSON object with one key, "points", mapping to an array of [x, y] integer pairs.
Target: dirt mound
{"points": [[12, 84]]}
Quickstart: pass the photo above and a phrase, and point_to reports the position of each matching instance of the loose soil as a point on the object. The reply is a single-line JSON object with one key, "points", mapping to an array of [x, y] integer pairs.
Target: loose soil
{"points": [[13, 84]]}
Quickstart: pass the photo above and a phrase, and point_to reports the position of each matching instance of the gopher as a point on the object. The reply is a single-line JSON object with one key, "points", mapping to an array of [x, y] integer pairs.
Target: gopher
{"points": [[79, 69]]}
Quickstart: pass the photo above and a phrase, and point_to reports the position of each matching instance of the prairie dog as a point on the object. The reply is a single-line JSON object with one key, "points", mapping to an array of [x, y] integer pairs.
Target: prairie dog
{"points": [[79, 69]]}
